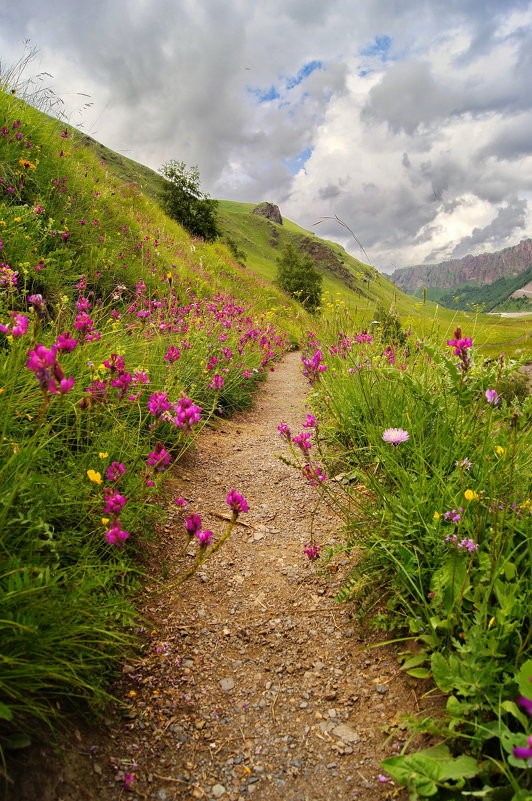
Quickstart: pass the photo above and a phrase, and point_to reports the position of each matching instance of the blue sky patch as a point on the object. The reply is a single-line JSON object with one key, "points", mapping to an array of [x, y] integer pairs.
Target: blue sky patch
{"points": [[295, 164], [381, 47], [265, 96], [304, 72]]}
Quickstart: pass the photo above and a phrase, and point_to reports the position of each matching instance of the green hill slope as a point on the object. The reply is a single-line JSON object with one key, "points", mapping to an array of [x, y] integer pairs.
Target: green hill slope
{"points": [[359, 287]]}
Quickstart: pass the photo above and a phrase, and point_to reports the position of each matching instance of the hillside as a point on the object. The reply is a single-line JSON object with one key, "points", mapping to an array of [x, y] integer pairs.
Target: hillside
{"points": [[457, 276]]}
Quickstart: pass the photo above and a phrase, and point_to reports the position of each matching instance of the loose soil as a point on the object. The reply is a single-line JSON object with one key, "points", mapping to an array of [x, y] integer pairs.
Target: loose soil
{"points": [[251, 680]]}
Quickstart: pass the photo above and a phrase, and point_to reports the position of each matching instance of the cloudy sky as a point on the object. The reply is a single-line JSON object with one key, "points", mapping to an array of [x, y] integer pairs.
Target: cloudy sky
{"points": [[411, 120]]}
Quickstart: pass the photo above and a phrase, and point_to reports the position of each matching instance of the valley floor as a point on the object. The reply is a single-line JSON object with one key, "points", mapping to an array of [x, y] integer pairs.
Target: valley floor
{"points": [[252, 681]]}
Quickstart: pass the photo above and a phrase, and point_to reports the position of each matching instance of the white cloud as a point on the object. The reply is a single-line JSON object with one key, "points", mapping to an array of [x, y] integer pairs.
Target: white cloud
{"points": [[416, 124]]}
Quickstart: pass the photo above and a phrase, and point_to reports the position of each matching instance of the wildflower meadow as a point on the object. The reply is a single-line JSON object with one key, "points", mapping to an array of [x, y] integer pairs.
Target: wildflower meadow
{"points": [[423, 448], [121, 337]]}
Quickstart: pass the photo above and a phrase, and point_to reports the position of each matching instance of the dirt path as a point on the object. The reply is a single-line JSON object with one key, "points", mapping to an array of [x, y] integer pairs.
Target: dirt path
{"points": [[252, 680]]}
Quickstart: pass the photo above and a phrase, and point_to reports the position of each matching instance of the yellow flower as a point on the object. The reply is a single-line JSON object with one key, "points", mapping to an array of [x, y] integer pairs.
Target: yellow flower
{"points": [[168, 275], [103, 455], [95, 477], [105, 520], [499, 451], [470, 495], [17, 219], [491, 623], [436, 516]]}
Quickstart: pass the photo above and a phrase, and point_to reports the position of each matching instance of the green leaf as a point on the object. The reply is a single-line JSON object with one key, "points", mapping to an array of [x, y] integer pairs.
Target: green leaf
{"points": [[16, 740], [442, 673], [510, 571], [524, 679], [5, 712], [419, 673], [414, 661]]}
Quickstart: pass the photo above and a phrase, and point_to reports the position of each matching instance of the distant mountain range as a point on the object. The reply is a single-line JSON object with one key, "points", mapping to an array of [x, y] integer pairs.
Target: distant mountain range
{"points": [[499, 281]]}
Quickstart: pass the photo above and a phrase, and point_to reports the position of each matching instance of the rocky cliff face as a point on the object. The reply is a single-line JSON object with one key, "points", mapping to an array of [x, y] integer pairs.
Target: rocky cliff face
{"points": [[482, 269], [270, 211]]}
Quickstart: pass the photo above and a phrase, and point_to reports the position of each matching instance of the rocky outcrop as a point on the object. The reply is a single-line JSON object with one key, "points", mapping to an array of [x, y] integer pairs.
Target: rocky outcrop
{"points": [[324, 258], [480, 270], [270, 211]]}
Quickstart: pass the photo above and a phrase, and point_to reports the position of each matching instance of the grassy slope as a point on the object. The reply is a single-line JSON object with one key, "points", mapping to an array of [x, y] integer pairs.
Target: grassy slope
{"points": [[254, 235]]}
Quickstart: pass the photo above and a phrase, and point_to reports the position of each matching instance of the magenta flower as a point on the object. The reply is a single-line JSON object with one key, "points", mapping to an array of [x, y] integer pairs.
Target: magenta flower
{"points": [[192, 524], [302, 441], [65, 342], [158, 403], [492, 396], [116, 535], [313, 366], [114, 502], [187, 413], [172, 354], [217, 382], [236, 502], [159, 458], [312, 550], [468, 545], [311, 422], [454, 515], [129, 779], [19, 326], [181, 503], [524, 752], [204, 538], [115, 471], [526, 703], [313, 473], [285, 432], [48, 371], [395, 436]]}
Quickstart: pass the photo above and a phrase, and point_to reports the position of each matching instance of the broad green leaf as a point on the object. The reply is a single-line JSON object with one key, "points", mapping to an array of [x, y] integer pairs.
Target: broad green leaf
{"points": [[5, 712], [442, 673], [414, 661], [524, 679], [419, 673]]}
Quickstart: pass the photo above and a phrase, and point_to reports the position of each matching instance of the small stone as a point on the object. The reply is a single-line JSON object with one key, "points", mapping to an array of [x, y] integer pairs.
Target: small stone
{"points": [[346, 733], [227, 685], [218, 790], [332, 713], [382, 689]]}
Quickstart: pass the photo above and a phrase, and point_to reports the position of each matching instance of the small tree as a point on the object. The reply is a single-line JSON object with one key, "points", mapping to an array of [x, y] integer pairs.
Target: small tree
{"points": [[297, 276], [184, 202]]}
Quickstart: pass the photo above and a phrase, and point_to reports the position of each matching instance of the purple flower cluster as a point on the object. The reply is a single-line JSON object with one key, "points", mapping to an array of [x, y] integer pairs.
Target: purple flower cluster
{"points": [[461, 345], [455, 515], [312, 550], [313, 366], [236, 502], [48, 371], [313, 474], [193, 528], [114, 505], [18, 327], [284, 432]]}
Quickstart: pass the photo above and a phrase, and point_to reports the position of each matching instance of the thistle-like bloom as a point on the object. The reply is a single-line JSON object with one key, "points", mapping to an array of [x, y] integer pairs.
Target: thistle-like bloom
{"points": [[115, 471], [19, 326], [236, 502], [492, 396], [204, 538], [193, 524], [312, 550], [395, 436], [159, 458]]}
